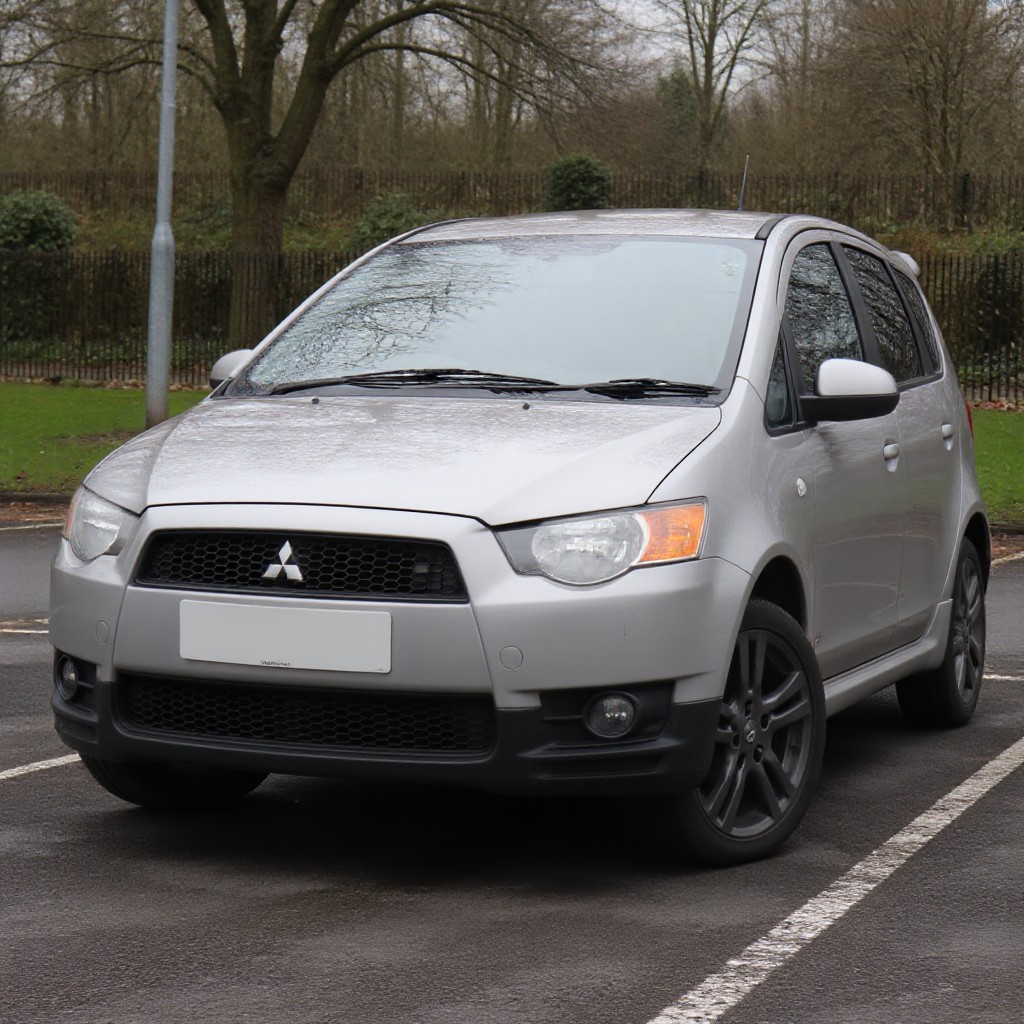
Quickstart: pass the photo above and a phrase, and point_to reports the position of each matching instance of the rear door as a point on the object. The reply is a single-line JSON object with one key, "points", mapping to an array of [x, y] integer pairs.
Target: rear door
{"points": [[929, 441]]}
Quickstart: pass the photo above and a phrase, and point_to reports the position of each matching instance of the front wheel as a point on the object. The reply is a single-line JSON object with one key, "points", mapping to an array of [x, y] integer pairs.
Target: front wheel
{"points": [[948, 695], [768, 747], [167, 787]]}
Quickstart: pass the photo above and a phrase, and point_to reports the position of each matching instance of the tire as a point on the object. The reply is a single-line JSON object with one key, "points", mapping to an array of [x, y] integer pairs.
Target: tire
{"points": [[768, 748], [947, 696], [167, 787]]}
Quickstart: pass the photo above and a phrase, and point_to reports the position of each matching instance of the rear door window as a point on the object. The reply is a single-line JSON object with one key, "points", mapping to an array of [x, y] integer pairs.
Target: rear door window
{"points": [[920, 313], [895, 336]]}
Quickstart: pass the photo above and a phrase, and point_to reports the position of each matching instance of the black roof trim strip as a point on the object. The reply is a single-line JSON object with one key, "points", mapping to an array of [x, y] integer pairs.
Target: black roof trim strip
{"points": [[769, 225]]}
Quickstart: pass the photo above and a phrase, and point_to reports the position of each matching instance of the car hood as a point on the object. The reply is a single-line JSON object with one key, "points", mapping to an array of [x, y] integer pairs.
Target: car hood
{"points": [[495, 459]]}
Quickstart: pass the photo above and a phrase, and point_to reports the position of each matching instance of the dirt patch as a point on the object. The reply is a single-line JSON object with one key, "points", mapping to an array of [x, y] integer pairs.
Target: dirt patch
{"points": [[1007, 543], [32, 513], [118, 437]]}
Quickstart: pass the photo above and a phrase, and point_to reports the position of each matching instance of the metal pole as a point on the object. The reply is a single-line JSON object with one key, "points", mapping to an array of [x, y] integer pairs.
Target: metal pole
{"points": [[161, 275]]}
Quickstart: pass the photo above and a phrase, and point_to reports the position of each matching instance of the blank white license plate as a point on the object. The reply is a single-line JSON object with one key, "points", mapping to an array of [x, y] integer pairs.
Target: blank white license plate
{"points": [[329, 639]]}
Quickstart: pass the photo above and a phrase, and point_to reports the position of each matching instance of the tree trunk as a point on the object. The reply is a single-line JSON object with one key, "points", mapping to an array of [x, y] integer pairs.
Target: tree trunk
{"points": [[257, 233]]}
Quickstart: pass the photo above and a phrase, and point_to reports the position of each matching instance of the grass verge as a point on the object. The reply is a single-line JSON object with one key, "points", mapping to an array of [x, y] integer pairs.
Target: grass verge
{"points": [[50, 437], [999, 450]]}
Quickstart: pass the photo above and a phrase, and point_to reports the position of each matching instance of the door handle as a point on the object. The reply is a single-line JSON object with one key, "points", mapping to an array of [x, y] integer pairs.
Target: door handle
{"points": [[890, 452], [947, 431]]}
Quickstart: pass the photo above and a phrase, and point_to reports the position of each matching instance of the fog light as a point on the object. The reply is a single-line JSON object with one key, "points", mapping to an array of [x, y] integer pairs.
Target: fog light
{"points": [[65, 676], [610, 715]]}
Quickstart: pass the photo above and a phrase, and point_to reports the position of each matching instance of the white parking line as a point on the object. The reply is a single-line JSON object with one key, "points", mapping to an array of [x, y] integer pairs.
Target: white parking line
{"points": [[989, 677], [25, 626], [38, 766], [720, 992]]}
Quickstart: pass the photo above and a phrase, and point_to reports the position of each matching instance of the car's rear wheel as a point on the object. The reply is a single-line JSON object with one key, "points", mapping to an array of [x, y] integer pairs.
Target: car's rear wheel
{"points": [[948, 695], [168, 787], [768, 748]]}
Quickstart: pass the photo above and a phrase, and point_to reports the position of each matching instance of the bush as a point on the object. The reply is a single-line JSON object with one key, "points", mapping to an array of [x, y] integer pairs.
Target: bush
{"points": [[35, 222], [387, 215], [579, 182]]}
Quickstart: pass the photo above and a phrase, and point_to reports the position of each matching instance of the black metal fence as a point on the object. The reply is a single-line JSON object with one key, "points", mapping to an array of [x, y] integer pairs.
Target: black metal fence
{"points": [[324, 196], [83, 315]]}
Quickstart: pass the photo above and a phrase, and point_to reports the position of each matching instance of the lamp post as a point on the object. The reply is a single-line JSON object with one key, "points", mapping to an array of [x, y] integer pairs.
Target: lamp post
{"points": [[161, 274]]}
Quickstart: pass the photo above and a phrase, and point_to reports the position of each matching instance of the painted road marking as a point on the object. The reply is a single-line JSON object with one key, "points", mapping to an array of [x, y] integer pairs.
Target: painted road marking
{"points": [[720, 992], [38, 766], [25, 626]]}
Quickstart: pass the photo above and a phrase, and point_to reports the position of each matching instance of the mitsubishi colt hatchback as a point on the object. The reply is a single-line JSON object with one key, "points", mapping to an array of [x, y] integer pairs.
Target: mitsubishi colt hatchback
{"points": [[619, 502]]}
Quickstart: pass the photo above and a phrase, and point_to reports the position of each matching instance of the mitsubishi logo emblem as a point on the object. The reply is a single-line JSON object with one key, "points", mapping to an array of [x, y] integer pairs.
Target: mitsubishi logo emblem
{"points": [[285, 564]]}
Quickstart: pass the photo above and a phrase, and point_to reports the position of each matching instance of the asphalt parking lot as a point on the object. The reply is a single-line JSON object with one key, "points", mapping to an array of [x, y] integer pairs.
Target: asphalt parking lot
{"points": [[900, 898]]}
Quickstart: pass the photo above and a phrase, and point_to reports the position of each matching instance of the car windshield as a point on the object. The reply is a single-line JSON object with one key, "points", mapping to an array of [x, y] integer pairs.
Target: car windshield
{"points": [[560, 310]]}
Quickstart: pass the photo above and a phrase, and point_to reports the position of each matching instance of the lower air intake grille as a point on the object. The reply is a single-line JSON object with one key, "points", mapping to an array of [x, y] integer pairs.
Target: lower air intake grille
{"points": [[407, 723]]}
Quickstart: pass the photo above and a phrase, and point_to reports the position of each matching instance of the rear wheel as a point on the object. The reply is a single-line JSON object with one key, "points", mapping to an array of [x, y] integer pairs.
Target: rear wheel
{"points": [[168, 787], [768, 748], [948, 695]]}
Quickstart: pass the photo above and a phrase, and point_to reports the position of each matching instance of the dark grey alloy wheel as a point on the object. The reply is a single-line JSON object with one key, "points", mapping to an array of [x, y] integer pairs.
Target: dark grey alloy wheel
{"points": [[167, 787], [948, 695], [768, 748]]}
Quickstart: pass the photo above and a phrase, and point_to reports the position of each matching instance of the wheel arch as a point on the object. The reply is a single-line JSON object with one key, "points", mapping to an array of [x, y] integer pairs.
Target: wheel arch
{"points": [[977, 532], [779, 582]]}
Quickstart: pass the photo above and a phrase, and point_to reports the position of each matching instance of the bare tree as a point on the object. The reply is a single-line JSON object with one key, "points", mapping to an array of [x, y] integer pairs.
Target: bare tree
{"points": [[782, 120], [935, 78], [719, 38], [241, 52]]}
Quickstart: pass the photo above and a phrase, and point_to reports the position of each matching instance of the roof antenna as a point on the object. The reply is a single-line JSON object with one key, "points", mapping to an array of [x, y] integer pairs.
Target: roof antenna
{"points": [[743, 187]]}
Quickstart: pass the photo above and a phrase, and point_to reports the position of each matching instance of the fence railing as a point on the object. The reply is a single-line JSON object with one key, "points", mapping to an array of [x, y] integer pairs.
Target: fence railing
{"points": [[953, 201], [83, 315]]}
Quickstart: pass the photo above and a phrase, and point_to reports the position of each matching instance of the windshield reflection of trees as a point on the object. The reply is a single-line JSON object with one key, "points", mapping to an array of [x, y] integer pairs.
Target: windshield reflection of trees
{"points": [[563, 309], [385, 313]]}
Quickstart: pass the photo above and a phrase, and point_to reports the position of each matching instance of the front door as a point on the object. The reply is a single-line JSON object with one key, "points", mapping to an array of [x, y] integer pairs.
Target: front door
{"points": [[859, 493]]}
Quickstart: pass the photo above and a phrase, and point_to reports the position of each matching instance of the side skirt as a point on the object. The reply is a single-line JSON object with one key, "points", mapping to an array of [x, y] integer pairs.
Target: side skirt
{"points": [[926, 652]]}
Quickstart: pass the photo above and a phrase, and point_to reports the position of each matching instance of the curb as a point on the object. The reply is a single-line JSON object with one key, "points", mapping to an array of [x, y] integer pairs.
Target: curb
{"points": [[33, 498]]}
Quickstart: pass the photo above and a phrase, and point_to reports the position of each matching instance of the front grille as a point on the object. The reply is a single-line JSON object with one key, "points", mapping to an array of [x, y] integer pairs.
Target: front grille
{"points": [[333, 719], [302, 565]]}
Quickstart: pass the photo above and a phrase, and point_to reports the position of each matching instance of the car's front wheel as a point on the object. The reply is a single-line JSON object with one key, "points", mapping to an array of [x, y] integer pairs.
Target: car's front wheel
{"points": [[768, 747], [168, 787], [948, 695]]}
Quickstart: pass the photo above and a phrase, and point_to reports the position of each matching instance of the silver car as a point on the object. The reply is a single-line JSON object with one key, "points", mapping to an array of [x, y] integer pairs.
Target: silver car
{"points": [[621, 502]]}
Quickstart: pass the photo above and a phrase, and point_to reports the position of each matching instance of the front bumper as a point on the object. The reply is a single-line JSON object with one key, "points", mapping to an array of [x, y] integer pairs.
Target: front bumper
{"points": [[527, 749], [667, 630]]}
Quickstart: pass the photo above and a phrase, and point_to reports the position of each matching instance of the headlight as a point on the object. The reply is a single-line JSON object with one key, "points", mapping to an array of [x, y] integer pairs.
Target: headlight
{"points": [[593, 549], [96, 526]]}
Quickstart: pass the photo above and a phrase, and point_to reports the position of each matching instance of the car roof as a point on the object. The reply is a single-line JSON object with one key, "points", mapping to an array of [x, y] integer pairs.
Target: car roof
{"points": [[697, 223]]}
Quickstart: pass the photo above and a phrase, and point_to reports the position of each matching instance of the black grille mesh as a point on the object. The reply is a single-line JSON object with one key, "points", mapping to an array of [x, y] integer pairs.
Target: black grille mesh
{"points": [[330, 566], [407, 723]]}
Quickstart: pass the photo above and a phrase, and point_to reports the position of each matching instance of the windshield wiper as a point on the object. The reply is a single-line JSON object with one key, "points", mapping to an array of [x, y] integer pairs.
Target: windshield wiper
{"points": [[640, 387], [428, 376]]}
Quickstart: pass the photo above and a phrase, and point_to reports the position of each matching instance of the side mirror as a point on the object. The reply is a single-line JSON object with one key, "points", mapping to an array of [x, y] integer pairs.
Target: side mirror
{"points": [[228, 365], [847, 389]]}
